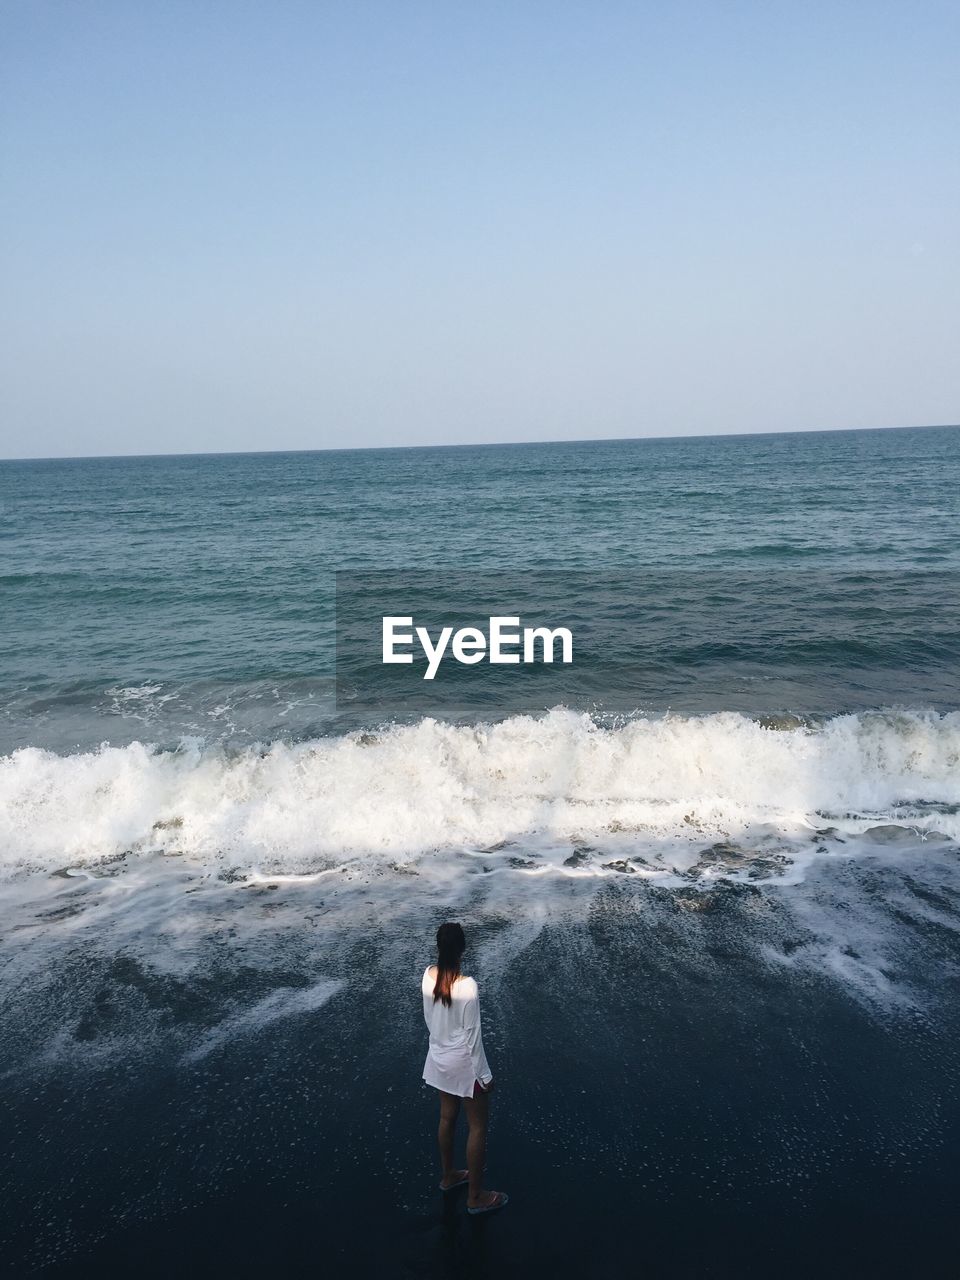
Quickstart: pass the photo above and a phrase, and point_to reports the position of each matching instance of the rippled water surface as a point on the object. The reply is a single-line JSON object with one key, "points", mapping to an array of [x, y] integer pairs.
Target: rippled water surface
{"points": [[715, 928]]}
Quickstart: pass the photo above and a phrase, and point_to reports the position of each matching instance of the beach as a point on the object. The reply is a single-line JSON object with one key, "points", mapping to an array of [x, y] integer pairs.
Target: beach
{"points": [[692, 1081], [712, 894]]}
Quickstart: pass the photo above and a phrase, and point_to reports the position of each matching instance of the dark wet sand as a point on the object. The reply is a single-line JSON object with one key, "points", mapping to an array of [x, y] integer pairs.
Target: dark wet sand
{"points": [[661, 1110]]}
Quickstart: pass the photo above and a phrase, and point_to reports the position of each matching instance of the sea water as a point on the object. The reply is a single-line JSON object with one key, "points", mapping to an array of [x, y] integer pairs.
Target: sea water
{"points": [[207, 850]]}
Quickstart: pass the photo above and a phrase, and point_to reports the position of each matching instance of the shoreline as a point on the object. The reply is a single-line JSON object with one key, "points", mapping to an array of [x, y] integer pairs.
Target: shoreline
{"points": [[669, 1098]]}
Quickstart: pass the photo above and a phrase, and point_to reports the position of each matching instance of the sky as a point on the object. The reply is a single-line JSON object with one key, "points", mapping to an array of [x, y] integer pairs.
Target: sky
{"points": [[232, 225]]}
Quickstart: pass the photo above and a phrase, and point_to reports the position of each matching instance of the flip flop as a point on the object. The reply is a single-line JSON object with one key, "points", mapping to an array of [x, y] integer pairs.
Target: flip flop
{"points": [[490, 1208], [453, 1185]]}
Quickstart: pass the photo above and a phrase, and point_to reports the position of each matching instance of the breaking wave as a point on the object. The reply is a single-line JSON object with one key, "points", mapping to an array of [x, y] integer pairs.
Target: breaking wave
{"points": [[417, 790]]}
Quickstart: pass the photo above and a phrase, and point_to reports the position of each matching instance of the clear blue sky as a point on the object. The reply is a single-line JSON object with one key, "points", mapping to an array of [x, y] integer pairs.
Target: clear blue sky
{"points": [[233, 225]]}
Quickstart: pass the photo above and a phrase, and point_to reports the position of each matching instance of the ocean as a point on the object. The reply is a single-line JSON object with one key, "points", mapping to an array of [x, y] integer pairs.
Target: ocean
{"points": [[710, 875]]}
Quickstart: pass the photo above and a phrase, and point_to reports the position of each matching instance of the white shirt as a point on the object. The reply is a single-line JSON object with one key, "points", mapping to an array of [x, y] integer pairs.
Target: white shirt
{"points": [[455, 1059]]}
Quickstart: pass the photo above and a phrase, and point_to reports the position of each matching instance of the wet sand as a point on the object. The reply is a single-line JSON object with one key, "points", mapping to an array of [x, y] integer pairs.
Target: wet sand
{"points": [[672, 1100]]}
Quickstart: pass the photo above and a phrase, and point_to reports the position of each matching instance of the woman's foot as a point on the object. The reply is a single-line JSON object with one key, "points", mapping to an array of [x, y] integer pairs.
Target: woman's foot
{"points": [[455, 1178], [487, 1201]]}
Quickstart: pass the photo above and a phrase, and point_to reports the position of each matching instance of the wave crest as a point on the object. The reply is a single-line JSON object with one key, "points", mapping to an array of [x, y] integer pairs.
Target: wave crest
{"points": [[430, 786]]}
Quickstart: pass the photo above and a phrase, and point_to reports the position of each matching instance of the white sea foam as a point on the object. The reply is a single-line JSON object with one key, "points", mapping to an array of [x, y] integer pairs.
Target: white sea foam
{"points": [[195, 897], [283, 1003], [414, 791]]}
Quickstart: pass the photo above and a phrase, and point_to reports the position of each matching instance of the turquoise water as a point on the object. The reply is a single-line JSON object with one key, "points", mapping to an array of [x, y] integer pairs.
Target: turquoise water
{"points": [[781, 612], [151, 598]]}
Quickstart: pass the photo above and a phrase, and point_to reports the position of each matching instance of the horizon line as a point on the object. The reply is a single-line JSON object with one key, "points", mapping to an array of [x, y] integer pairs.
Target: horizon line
{"points": [[488, 444]]}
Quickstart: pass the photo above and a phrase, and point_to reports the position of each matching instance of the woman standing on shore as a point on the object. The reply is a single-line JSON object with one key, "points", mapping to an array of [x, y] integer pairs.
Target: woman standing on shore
{"points": [[457, 1066]]}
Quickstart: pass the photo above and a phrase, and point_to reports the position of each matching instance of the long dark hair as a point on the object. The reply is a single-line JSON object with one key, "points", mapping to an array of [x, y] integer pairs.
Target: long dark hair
{"points": [[451, 945]]}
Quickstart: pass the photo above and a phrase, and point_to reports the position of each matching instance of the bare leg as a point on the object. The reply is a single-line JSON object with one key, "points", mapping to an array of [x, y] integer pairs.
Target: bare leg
{"points": [[477, 1110], [449, 1111]]}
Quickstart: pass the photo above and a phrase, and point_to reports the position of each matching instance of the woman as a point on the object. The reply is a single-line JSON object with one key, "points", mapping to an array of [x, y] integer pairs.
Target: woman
{"points": [[457, 1065]]}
